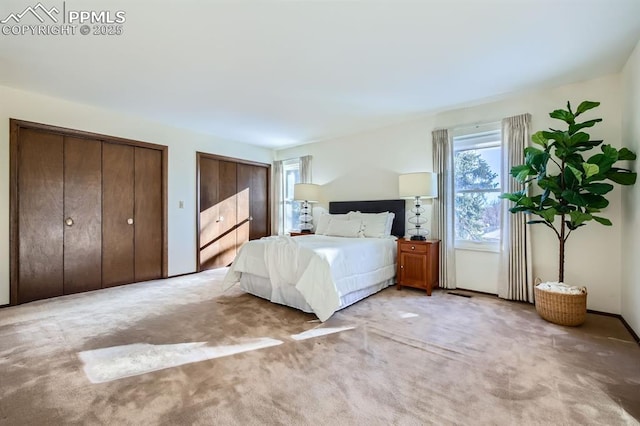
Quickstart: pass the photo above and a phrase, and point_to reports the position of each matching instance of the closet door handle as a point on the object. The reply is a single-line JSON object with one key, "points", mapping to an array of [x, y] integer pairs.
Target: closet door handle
{"points": [[68, 221], [130, 221]]}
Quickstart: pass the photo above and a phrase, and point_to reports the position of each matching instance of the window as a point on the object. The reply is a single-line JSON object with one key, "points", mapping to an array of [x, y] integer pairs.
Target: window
{"points": [[291, 209], [477, 176]]}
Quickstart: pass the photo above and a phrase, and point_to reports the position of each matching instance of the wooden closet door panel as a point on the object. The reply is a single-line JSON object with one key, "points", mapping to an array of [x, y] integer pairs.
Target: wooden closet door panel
{"points": [[117, 210], [253, 200], [209, 211], [259, 202], [40, 217], [227, 199], [83, 206], [243, 204], [148, 214]]}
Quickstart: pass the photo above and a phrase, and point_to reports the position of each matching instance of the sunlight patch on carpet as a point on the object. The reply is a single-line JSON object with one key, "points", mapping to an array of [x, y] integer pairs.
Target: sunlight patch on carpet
{"points": [[316, 332], [117, 362], [407, 314]]}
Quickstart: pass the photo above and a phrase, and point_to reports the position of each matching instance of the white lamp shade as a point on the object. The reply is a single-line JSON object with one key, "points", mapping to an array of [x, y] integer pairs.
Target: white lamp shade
{"points": [[306, 192], [423, 185]]}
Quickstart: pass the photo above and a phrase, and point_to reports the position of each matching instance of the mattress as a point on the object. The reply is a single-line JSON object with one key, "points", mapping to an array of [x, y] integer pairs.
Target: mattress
{"points": [[315, 273]]}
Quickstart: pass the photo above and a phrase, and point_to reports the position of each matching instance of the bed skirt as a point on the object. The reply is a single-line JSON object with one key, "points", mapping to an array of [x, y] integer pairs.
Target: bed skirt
{"points": [[290, 296]]}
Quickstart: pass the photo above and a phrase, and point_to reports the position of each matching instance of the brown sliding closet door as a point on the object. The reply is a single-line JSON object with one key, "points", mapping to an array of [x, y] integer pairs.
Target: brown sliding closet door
{"points": [[40, 244], [209, 212], [117, 214], [233, 207], [82, 215], [227, 192], [87, 211], [217, 213], [253, 217], [148, 214]]}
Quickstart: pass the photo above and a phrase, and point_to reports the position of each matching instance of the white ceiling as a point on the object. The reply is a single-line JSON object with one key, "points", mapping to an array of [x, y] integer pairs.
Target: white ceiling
{"points": [[281, 73]]}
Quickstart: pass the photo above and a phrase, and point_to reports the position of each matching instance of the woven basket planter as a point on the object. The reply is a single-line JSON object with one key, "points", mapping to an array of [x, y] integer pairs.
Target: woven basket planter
{"points": [[561, 308]]}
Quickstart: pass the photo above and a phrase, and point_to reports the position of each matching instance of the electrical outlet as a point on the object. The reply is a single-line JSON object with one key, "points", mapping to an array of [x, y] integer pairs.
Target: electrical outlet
{"points": [[181, 204]]}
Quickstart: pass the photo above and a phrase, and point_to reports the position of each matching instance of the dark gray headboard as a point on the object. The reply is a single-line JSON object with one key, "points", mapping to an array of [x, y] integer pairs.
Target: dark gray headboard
{"points": [[377, 206]]}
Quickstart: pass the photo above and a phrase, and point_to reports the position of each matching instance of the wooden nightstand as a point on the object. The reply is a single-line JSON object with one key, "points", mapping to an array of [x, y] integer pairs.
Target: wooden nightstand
{"points": [[418, 264], [297, 233]]}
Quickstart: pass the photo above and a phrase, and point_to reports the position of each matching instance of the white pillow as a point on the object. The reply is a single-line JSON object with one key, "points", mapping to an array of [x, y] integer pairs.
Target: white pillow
{"points": [[323, 223], [387, 229], [375, 224], [325, 219], [344, 228]]}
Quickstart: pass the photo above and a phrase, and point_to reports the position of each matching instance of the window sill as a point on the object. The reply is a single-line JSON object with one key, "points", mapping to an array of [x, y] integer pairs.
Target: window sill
{"points": [[478, 246]]}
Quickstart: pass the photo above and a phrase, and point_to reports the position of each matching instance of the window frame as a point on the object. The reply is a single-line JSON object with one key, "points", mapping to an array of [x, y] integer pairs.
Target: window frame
{"points": [[288, 224], [477, 138]]}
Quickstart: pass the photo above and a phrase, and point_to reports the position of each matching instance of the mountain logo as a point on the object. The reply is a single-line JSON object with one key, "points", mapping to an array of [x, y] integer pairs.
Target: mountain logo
{"points": [[39, 11]]}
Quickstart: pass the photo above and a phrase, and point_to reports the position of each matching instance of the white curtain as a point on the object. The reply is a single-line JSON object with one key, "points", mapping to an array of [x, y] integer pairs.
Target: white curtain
{"points": [[516, 281], [443, 207], [278, 189], [305, 169]]}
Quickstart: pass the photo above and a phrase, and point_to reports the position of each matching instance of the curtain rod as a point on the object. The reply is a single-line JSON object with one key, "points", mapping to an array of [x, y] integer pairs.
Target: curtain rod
{"points": [[475, 125], [294, 158]]}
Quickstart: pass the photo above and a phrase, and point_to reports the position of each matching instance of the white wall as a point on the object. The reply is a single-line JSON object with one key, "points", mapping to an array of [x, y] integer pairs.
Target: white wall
{"points": [[631, 195], [182, 164], [367, 165]]}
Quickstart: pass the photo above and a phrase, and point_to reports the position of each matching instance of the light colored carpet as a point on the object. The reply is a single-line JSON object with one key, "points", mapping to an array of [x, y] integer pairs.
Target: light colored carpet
{"points": [[190, 351]]}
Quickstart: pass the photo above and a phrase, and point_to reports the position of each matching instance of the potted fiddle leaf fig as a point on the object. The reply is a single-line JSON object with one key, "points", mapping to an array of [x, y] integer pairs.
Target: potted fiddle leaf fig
{"points": [[565, 182]]}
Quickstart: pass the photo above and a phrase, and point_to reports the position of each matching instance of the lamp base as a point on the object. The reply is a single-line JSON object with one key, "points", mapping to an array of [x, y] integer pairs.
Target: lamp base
{"points": [[418, 238]]}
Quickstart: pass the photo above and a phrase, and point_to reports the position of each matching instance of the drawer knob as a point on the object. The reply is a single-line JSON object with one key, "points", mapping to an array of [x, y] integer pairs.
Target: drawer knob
{"points": [[413, 247]]}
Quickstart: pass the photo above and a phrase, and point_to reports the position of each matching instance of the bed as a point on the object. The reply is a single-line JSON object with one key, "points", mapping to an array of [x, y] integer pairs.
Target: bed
{"points": [[330, 270]]}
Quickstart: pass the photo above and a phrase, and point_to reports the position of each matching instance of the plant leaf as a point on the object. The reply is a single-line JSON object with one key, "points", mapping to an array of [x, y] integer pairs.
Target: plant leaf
{"points": [[549, 182], [577, 173], [595, 201], [622, 177], [512, 196], [545, 196], [586, 106], [578, 138], [573, 128], [538, 138], [590, 170], [626, 154], [574, 197], [563, 115], [557, 135], [578, 218], [548, 214], [586, 146], [610, 152], [598, 188], [521, 172], [602, 220]]}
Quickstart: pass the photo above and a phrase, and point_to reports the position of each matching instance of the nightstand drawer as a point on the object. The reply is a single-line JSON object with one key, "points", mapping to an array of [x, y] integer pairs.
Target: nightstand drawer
{"points": [[415, 248]]}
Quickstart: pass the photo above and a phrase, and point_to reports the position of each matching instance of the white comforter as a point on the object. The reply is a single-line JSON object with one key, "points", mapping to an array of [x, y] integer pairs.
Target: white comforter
{"points": [[321, 268]]}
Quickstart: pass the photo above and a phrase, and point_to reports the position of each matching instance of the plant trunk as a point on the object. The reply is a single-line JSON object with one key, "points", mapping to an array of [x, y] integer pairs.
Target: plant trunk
{"points": [[561, 260]]}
